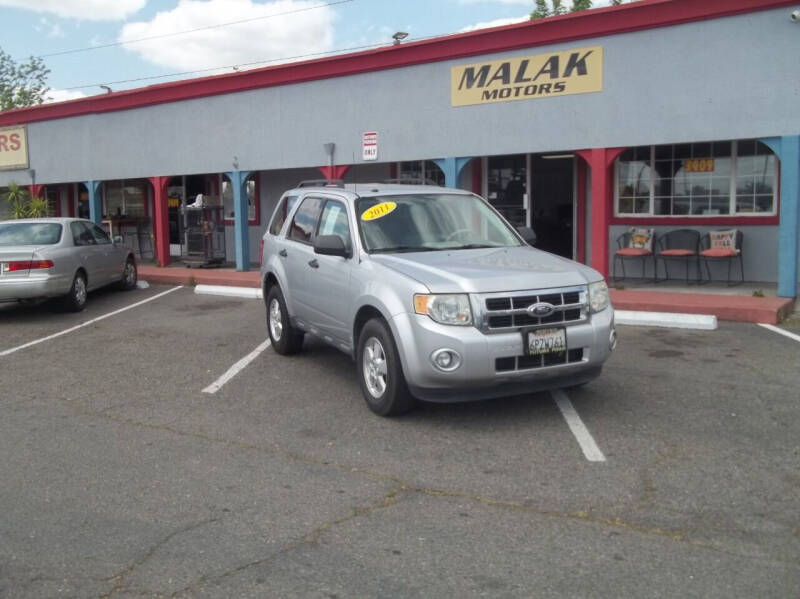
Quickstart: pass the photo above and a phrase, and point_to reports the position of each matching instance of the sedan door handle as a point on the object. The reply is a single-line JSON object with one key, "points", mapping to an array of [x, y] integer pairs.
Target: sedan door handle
{"points": [[282, 253], [313, 263]]}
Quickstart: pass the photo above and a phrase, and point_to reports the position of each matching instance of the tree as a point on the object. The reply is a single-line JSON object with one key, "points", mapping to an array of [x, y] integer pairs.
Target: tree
{"points": [[21, 84], [556, 7]]}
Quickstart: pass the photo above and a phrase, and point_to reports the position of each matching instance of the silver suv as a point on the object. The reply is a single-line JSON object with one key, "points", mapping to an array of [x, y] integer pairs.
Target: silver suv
{"points": [[432, 292]]}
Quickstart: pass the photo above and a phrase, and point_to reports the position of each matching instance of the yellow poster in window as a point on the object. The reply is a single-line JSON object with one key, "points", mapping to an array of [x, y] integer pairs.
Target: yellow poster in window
{"points": [[578, 71]]}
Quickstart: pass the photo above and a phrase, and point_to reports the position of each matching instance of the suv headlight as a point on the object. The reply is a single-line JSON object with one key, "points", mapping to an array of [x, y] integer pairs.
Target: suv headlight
{"points": [[445, 309], [598, 296]]}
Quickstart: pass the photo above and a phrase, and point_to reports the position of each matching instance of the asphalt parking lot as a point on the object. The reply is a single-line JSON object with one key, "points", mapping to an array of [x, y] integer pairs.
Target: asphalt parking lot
{"points": [[121, 477]]}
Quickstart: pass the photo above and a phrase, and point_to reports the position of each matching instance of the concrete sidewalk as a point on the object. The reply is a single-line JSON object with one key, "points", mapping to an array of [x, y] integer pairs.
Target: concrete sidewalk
{"points": [[738, 308]]}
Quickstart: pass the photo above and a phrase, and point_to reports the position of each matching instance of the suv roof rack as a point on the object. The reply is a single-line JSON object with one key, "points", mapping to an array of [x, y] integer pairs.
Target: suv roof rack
{"points": [[321, 183], [411, 181]]}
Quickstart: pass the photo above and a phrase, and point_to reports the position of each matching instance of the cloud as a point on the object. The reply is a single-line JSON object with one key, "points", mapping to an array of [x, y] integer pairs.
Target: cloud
{"points": [[48, 28], [91, 10], [62, 95], [495, 23], [282, 36], [517, 2]]}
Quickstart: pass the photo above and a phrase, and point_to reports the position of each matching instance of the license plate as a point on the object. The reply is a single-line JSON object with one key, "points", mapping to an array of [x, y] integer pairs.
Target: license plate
{"points": [[546, 341]]}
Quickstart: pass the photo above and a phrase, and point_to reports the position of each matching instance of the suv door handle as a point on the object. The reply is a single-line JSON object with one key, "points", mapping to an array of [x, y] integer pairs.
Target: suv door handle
{"points": [[282, 253], [313, 263]]}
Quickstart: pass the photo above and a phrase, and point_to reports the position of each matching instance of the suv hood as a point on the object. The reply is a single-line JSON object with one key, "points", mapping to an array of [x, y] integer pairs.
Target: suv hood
{"points": [[488, 270]]}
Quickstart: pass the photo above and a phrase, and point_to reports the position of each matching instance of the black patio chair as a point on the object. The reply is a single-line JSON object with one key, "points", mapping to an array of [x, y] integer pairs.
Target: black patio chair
{"points": [[680, 244], [626, 251], [719, 254]]}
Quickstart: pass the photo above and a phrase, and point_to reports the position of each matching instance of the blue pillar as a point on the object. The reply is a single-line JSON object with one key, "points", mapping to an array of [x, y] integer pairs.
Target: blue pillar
{"points": [[95, 206], [787, 148], [240, 231], [452, 167]]}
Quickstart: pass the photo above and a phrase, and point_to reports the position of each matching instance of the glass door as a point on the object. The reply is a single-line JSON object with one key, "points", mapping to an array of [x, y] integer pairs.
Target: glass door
{"points": [[507, 187]]}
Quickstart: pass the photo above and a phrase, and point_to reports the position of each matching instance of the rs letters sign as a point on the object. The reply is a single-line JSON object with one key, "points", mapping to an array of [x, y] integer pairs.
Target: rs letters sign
{"points": [[13, 148]]}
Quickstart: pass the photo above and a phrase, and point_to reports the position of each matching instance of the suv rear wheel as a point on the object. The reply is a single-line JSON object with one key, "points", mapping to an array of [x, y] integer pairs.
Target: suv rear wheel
{"points": [[282, 335], [380, 372]]}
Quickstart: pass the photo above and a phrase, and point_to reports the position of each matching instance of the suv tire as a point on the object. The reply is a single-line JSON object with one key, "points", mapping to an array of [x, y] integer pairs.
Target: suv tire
{"points": [[380, 372], [282, 335]]}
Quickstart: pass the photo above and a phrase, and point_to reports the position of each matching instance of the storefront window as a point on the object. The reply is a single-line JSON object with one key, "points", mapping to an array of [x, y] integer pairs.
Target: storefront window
{"points": [[125, 198], [422, 170], [700, 179], [507, 186], [227, 199]]}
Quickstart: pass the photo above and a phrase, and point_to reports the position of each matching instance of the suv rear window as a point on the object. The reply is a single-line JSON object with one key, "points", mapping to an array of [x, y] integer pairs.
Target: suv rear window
{"points": [[30, 233], [286, 205]]}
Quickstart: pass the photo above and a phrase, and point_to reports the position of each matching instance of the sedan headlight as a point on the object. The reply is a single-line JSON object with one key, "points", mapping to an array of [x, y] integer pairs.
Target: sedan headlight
{"points": [[445, 309], [598, 296]]}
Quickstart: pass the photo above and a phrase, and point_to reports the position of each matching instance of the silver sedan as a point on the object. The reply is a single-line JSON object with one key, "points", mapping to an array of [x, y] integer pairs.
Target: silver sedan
{"points": [[60, 257]]}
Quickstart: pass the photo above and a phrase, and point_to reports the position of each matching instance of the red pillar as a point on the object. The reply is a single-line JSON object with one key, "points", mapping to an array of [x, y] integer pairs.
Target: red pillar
{"points": [[161, 219], [600, 161], [334, 172]]}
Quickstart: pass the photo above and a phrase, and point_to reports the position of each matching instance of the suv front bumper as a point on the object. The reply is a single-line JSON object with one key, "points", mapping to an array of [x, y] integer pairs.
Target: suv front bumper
{"points": [[480, 374]]}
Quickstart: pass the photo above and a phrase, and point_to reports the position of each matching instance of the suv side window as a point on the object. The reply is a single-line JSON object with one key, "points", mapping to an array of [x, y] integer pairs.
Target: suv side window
{"points": [[334, 221], [305, 219], [286, 205], [81, 236]]}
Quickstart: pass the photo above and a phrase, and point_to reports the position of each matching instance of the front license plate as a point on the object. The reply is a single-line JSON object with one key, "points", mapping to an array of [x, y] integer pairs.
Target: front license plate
{"points": [[546, 341]]}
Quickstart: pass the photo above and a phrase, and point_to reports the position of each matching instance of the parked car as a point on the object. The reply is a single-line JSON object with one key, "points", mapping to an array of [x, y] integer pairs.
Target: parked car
{"points": [[432, 292], [60, 257]]}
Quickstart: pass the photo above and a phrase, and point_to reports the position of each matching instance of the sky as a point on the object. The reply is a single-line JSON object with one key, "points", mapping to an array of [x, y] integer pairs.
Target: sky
{"points": [[229, 34]]}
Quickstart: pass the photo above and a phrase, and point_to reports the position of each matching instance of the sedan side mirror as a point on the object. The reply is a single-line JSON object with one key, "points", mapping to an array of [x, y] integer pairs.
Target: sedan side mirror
{"points": [[331, 245], [527, 234], [117, 240]]}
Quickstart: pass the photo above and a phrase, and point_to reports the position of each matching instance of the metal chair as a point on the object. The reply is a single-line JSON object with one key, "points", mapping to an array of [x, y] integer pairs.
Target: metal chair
{"points": [[680, 244], [718, 254], [626, 251]]}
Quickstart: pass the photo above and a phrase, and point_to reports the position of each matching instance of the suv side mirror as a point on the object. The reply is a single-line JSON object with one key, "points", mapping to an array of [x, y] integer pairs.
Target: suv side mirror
{"points": [[527, 234], [331, 245]]}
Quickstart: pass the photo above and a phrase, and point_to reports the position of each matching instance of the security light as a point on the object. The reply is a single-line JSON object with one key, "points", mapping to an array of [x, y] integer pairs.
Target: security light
{"points": [[399, 37]]}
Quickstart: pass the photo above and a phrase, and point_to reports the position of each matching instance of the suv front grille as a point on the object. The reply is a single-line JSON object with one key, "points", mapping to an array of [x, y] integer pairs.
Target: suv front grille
{"points": [[507, 312]]}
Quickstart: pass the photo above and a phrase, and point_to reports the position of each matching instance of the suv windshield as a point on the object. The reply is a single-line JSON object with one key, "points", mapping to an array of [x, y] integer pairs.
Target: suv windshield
{"points": [[29, 233], [426, 222]]}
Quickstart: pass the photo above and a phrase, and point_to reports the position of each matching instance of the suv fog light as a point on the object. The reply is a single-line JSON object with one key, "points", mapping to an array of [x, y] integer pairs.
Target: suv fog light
{"points": [[612, 340], [446, 360]]}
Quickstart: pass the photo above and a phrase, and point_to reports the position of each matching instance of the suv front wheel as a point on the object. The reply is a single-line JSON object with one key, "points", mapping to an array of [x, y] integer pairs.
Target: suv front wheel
{"points": [[282, 335], [380, 372]]}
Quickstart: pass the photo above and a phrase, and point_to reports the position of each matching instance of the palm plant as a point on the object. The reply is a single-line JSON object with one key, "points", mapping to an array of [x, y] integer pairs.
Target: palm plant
{"points": [[38, 208], [18, 200]]}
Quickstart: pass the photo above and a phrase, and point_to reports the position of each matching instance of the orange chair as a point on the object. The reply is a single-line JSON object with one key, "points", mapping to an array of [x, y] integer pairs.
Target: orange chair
{"points": [[636, 244], [726, 245]]}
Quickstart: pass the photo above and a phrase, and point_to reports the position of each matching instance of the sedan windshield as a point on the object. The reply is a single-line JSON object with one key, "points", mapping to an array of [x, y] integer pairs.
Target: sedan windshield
{"points": [[29, 233], [428, 222]]}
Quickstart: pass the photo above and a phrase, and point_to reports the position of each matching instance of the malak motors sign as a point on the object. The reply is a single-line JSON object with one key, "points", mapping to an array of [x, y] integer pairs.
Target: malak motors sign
{"points": [[13, 148], [578, 71]]}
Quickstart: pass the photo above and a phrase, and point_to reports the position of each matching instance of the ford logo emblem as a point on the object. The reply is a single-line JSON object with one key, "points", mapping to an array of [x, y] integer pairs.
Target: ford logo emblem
{"points": [[540, 309]]}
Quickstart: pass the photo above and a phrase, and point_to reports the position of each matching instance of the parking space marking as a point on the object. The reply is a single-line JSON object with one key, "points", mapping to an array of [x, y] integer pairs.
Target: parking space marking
{"points": [[236, 368], [579, 430], [85, 324], [780, 331]]}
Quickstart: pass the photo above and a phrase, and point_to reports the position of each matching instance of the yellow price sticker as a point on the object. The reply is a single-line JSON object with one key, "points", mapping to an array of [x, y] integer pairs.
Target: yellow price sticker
{"points": [[378, 211]]}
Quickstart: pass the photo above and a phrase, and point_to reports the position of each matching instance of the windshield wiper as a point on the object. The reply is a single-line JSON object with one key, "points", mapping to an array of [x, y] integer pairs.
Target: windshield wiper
{"points": [[405, 248], [473, 246]]}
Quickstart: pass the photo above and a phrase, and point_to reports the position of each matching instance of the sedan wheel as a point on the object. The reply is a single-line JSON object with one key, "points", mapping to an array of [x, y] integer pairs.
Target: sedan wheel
{"points": [[75, 300]]}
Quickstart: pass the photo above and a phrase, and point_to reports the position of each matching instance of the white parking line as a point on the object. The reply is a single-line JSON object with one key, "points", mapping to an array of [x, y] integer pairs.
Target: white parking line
{"points": [[575, 424], [236, 368], [85, 324], [780, 331]]}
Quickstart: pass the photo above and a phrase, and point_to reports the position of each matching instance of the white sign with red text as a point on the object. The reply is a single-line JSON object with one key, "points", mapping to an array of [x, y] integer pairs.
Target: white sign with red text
{"points": [[369, 145]]}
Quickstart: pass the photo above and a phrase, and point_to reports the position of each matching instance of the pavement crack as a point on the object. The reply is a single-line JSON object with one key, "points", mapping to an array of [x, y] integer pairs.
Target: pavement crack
{"points": [[585, 516], [118, 579], [310, 539]]}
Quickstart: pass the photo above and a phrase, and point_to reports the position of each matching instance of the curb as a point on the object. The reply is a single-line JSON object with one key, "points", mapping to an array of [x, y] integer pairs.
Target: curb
{"points": [[703, 322], [228, 291]]}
